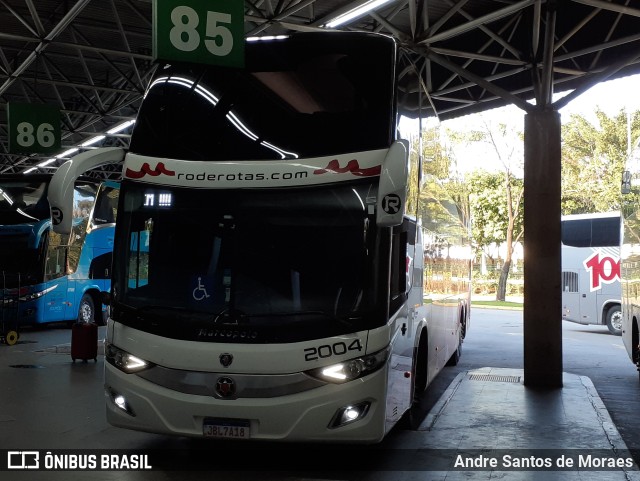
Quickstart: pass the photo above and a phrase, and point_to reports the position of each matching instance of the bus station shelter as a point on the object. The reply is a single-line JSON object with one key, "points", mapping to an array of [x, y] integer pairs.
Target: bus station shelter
{"points": [[93, 61]]}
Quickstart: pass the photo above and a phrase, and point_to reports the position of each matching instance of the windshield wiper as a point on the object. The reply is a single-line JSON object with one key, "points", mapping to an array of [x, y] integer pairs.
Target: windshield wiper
{"points": [[230, 316]]}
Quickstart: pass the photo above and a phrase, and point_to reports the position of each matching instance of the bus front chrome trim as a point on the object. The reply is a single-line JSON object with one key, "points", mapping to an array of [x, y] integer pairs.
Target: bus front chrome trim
{"points": [[244, 385]]}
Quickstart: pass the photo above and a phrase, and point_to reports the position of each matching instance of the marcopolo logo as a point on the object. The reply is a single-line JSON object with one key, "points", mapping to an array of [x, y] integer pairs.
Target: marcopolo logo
{"points": [[603, 270]]}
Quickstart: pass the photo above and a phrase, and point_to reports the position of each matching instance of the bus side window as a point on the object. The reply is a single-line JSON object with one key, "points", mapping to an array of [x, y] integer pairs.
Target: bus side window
{"points": [[100, 267], [106, 206], [56, 263]]}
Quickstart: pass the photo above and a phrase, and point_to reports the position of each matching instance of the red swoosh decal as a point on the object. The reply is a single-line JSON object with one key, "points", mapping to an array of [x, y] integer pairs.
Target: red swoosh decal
{"points": [[352, 166], [146, 170]]}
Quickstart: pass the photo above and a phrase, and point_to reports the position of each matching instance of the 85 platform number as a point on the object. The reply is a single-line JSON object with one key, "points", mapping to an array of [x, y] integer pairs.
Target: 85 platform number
{"points": [[200, 31]]}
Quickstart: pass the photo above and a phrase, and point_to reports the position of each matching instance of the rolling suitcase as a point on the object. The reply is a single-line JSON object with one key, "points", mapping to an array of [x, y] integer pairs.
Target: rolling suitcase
{"points": [[84, 341]]}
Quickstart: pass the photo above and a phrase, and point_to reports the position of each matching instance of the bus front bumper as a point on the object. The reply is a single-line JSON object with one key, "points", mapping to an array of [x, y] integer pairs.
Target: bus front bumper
{"points": [[314, 415]]}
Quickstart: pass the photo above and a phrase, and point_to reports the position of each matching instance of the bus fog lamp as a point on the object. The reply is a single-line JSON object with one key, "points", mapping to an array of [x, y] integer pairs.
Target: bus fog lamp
{"points": [[349, 414], [120, 402]]}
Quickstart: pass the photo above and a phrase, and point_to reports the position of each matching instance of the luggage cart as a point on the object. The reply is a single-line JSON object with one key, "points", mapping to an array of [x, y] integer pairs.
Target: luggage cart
{"points": [[9, 304]]}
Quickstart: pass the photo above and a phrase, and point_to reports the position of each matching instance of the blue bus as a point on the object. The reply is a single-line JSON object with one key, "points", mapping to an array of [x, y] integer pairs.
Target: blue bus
{"points": [[46, 276]]}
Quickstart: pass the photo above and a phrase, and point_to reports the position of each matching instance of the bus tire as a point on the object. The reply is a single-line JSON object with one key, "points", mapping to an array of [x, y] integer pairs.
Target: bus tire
{"points": [[421, 369], [455, 357], [412, 417], [103, 317], [614, 320], [86, 310]]}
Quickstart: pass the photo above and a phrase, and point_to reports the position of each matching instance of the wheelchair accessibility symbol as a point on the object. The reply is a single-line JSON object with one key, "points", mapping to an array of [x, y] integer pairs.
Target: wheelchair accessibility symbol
{"points": [[200, 292]]}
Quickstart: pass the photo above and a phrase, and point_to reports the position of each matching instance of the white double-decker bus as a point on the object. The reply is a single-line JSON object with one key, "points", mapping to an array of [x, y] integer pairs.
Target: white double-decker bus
{"points": [[591, 289], [273, 248]]}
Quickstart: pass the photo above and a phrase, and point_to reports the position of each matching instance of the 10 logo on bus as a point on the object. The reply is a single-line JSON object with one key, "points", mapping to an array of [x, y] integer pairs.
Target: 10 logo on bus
{"points": [[602, 269]]}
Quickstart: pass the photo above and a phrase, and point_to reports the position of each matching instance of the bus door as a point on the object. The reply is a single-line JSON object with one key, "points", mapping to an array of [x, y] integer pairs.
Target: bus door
{"points": [[102, 224], [572, 298], [402, 260], [55, 302]]}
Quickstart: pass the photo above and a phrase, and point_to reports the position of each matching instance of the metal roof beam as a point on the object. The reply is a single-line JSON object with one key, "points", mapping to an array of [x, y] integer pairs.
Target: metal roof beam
{"points": [[397, 9], [491, 17], [477, 80], [614, 7], [87, 72], [60, 26], [79, 46], [125, 42], [36, 18], [19, 17], [478, 56], [597, 78], [496, 38], [73, 85], [544, 92], [454, 8], [281, 16], [512, 22]]}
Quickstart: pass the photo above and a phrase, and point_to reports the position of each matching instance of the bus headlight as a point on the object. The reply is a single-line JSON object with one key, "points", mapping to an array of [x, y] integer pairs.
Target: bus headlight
{"points": [[123, 360], [352, 369], [36, 295]]}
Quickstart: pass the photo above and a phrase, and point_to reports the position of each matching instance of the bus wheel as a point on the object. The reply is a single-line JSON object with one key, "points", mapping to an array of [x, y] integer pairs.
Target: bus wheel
{"points": [[104, 316], [614, 320], [421, 368], [86, 311], [455, 357]]}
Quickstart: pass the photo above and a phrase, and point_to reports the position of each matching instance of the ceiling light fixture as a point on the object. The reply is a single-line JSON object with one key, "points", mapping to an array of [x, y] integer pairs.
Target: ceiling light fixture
{"points": [[354, 13], [121, 127]]}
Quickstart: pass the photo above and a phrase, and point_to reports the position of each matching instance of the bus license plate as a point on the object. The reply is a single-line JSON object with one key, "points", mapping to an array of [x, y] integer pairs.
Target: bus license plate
{"points": [[220, 428]]}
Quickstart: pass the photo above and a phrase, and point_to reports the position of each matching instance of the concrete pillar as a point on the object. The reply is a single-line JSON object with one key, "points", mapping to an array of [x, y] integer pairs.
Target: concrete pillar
{"points": [[542, 255]]}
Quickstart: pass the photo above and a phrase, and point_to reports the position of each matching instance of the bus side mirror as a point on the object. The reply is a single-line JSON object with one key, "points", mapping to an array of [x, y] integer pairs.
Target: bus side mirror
{"points": [[392, 189], [625, 188], [62, 183]]}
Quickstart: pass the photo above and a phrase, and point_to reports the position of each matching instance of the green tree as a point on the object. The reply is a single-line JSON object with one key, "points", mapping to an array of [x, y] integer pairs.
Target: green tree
{"points": [[497, 197], [496, 209], [593, 158], [438, 166]]}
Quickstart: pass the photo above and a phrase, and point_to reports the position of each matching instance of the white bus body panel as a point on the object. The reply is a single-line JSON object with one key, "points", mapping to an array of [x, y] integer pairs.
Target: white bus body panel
{"points": [[591, 288], [588, 301], [630, 272]]}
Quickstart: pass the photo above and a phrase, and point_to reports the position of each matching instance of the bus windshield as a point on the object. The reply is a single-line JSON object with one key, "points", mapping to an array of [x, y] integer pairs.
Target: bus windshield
{"points": [[23, 201], [23, 209], [294, 99], [264, 258]]}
